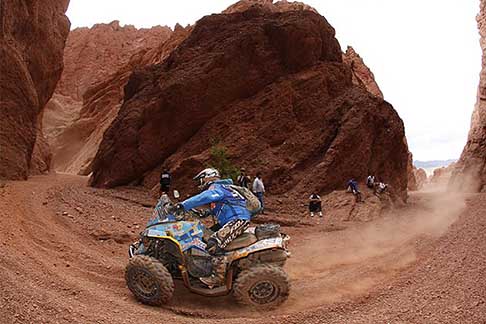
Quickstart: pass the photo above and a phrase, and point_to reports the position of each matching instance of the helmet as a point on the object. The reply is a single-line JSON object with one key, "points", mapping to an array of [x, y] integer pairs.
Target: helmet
{"points": [[206, 173]]}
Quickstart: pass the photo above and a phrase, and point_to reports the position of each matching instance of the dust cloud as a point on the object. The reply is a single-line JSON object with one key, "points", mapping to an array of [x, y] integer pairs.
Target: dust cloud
{"points": [[331, 266]]}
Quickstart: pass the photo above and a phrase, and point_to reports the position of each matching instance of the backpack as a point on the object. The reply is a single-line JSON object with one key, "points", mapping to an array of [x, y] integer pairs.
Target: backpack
{"points": [[252, 203]]}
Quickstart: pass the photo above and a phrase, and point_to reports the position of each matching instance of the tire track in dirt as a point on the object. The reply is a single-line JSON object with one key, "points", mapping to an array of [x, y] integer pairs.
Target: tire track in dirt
{"points": [[53, 260]]}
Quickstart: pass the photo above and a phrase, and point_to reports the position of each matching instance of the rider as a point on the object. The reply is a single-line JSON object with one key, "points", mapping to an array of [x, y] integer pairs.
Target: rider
{"points": [[230, 211]]}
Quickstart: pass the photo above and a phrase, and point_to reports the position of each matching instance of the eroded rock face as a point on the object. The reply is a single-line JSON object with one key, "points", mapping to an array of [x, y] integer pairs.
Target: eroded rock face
{"points": [[268, 5], [269, 86], [470, 174], [32, 39], [412, 181], [420, 177], [362, 75], [416, 178], [94, 53], [442, 176], [98, 62], [41, 158]]}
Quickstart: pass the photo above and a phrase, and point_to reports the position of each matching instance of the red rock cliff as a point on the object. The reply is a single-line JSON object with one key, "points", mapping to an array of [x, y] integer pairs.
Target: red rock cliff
{"points": [[32, 38], [470, 172], [98, 61], [268, 5], [362, 75], [92, 54], [273, 89]]}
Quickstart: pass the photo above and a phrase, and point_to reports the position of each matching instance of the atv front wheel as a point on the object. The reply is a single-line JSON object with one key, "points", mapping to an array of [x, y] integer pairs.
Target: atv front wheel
{"points": [[263, 286], [148, 279]]}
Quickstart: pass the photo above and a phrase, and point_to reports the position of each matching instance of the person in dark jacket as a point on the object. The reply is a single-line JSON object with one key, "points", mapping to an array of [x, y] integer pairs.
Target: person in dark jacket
{"points": [[243, 179], [315, 204], [165, 179], [353, 187]]}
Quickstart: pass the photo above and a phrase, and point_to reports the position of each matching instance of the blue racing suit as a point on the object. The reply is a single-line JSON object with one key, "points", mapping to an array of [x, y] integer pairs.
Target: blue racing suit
{"points": [[230, 210], [225, 203]]}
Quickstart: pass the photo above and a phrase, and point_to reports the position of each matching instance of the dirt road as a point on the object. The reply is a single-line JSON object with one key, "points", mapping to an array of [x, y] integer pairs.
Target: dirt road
{"points": [[64, 252]]}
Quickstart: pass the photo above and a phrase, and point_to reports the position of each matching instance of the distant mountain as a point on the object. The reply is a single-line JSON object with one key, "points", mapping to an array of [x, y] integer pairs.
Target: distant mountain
{"points": [[433, 164]]}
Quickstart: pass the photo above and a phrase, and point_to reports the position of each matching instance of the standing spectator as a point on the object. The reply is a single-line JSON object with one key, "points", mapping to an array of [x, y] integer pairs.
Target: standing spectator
{"points": [[259, 189], [353, 187], [165, 179], [243, 180], [315, 204]]}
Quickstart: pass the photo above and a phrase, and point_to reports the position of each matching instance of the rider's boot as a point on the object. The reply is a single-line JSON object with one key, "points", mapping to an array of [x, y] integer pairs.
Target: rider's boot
{"points": [[218, 276], [218, 264]]}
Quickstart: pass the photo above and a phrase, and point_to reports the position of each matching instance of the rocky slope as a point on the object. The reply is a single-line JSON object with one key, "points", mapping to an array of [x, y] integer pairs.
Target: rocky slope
{"points": [[98, 61], [273, 84], [362, 75], [470, 174], [28, 75]]}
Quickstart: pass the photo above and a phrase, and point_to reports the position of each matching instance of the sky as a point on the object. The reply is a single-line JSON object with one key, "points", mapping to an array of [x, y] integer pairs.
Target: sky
{"points": [[425, 54]]}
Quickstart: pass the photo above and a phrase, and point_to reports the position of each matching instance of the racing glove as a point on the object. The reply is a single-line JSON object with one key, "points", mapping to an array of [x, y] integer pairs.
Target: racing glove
{"points": [[177, 209], [206, 213]]}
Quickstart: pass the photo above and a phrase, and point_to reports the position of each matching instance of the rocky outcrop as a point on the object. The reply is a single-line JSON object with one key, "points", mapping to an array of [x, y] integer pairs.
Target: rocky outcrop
{"points": [[441, 176], [412, 181], [268, 5], [41, 158], [92, 54], [416, 178], [362, 75], [76, 141], [420, 177], [98, 62], [470, 174], [32, 39], [273, 90]]}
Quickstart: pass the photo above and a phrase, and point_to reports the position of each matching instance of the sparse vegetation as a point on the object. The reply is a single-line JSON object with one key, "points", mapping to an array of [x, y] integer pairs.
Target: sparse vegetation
{"points": [[220, 161]]}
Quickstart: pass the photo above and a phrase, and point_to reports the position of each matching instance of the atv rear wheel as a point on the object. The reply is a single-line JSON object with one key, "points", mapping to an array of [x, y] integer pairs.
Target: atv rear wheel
{"points": [[263, 286], [148, 279]]}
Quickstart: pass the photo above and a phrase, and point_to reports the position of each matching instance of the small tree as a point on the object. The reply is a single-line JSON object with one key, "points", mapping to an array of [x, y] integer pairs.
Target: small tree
{"points": [[220, 161]]}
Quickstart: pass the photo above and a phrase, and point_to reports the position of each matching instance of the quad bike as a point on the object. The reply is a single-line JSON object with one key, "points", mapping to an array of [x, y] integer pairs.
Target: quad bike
{"points": [[172, 247]]}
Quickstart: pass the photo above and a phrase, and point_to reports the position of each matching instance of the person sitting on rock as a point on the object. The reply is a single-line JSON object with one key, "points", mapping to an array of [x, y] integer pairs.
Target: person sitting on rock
{"points": [[230, 210], [315, 204], [380, 188], [353, 187], [370, 181]]}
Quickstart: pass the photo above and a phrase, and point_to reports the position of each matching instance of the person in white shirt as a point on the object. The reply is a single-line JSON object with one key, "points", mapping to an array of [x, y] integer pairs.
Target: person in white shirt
{"points": [[259, 189], [370, 181]]}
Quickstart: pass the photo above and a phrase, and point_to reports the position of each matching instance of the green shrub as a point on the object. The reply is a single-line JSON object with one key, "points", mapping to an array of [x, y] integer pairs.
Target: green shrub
{"points": [[220, 161]]}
